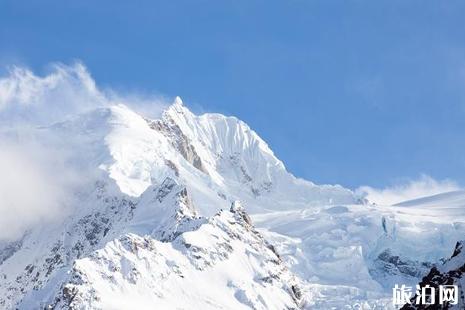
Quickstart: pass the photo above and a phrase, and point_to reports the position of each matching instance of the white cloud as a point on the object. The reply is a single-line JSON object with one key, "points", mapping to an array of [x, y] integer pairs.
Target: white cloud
{"points": [[66, 90], [412, 189], [33, 188], [36, 179], [28, 98]]}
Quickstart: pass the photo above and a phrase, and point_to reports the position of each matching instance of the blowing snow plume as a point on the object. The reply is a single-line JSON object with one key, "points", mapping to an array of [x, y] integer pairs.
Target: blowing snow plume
{"points": [[413, 189], [37, 180]]}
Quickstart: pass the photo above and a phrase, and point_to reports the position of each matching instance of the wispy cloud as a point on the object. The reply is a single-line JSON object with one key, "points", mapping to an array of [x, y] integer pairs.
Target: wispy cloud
{"points": [[412, 189], [36, 179], [29, 98]]}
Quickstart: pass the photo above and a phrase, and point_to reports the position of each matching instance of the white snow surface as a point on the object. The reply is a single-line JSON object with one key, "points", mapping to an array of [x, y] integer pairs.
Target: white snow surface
{"points": [[154, 226]]}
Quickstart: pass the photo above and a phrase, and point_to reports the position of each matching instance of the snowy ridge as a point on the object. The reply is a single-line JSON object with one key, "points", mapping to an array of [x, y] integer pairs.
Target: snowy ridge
{"points": [[239, 163], [165, 211]]}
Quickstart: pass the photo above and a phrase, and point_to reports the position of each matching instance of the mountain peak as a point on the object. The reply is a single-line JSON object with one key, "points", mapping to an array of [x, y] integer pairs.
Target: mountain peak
{"points": [[177, 107], [178, 101]]}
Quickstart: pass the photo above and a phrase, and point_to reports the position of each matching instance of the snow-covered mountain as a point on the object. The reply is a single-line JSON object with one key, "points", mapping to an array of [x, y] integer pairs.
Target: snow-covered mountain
{"points": [[188, 211]]}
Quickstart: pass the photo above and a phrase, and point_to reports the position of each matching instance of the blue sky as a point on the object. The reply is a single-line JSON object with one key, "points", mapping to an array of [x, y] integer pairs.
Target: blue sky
{"points": [[349, 92]]}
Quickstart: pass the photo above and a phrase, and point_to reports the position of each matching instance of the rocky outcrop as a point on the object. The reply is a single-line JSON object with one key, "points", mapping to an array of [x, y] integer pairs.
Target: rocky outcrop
{"points": [[178, 139], [452, 272], [392, 264]]}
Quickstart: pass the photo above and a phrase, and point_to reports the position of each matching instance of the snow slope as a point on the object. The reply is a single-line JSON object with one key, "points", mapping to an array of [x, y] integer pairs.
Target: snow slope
{"points": [[150, 223]]}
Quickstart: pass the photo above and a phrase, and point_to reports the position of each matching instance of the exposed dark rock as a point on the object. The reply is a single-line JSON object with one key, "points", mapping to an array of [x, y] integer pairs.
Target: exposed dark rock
{"points": [[9, 249], [173, 167], [453, 275], [179, 140], [394, 264], [239, 212]]}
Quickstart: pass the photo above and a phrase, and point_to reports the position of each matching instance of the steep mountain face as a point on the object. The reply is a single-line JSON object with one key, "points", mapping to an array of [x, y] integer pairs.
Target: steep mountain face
{"points": [[452, 272], [160, 221], [237, 162]]}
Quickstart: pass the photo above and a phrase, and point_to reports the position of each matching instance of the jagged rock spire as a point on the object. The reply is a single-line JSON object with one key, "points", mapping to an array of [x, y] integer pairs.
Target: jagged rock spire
{"points": [[238, 209]]}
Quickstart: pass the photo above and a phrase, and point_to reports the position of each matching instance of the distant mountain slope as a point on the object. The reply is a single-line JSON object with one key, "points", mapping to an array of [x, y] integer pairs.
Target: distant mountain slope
{"points": [[455, 199]]}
